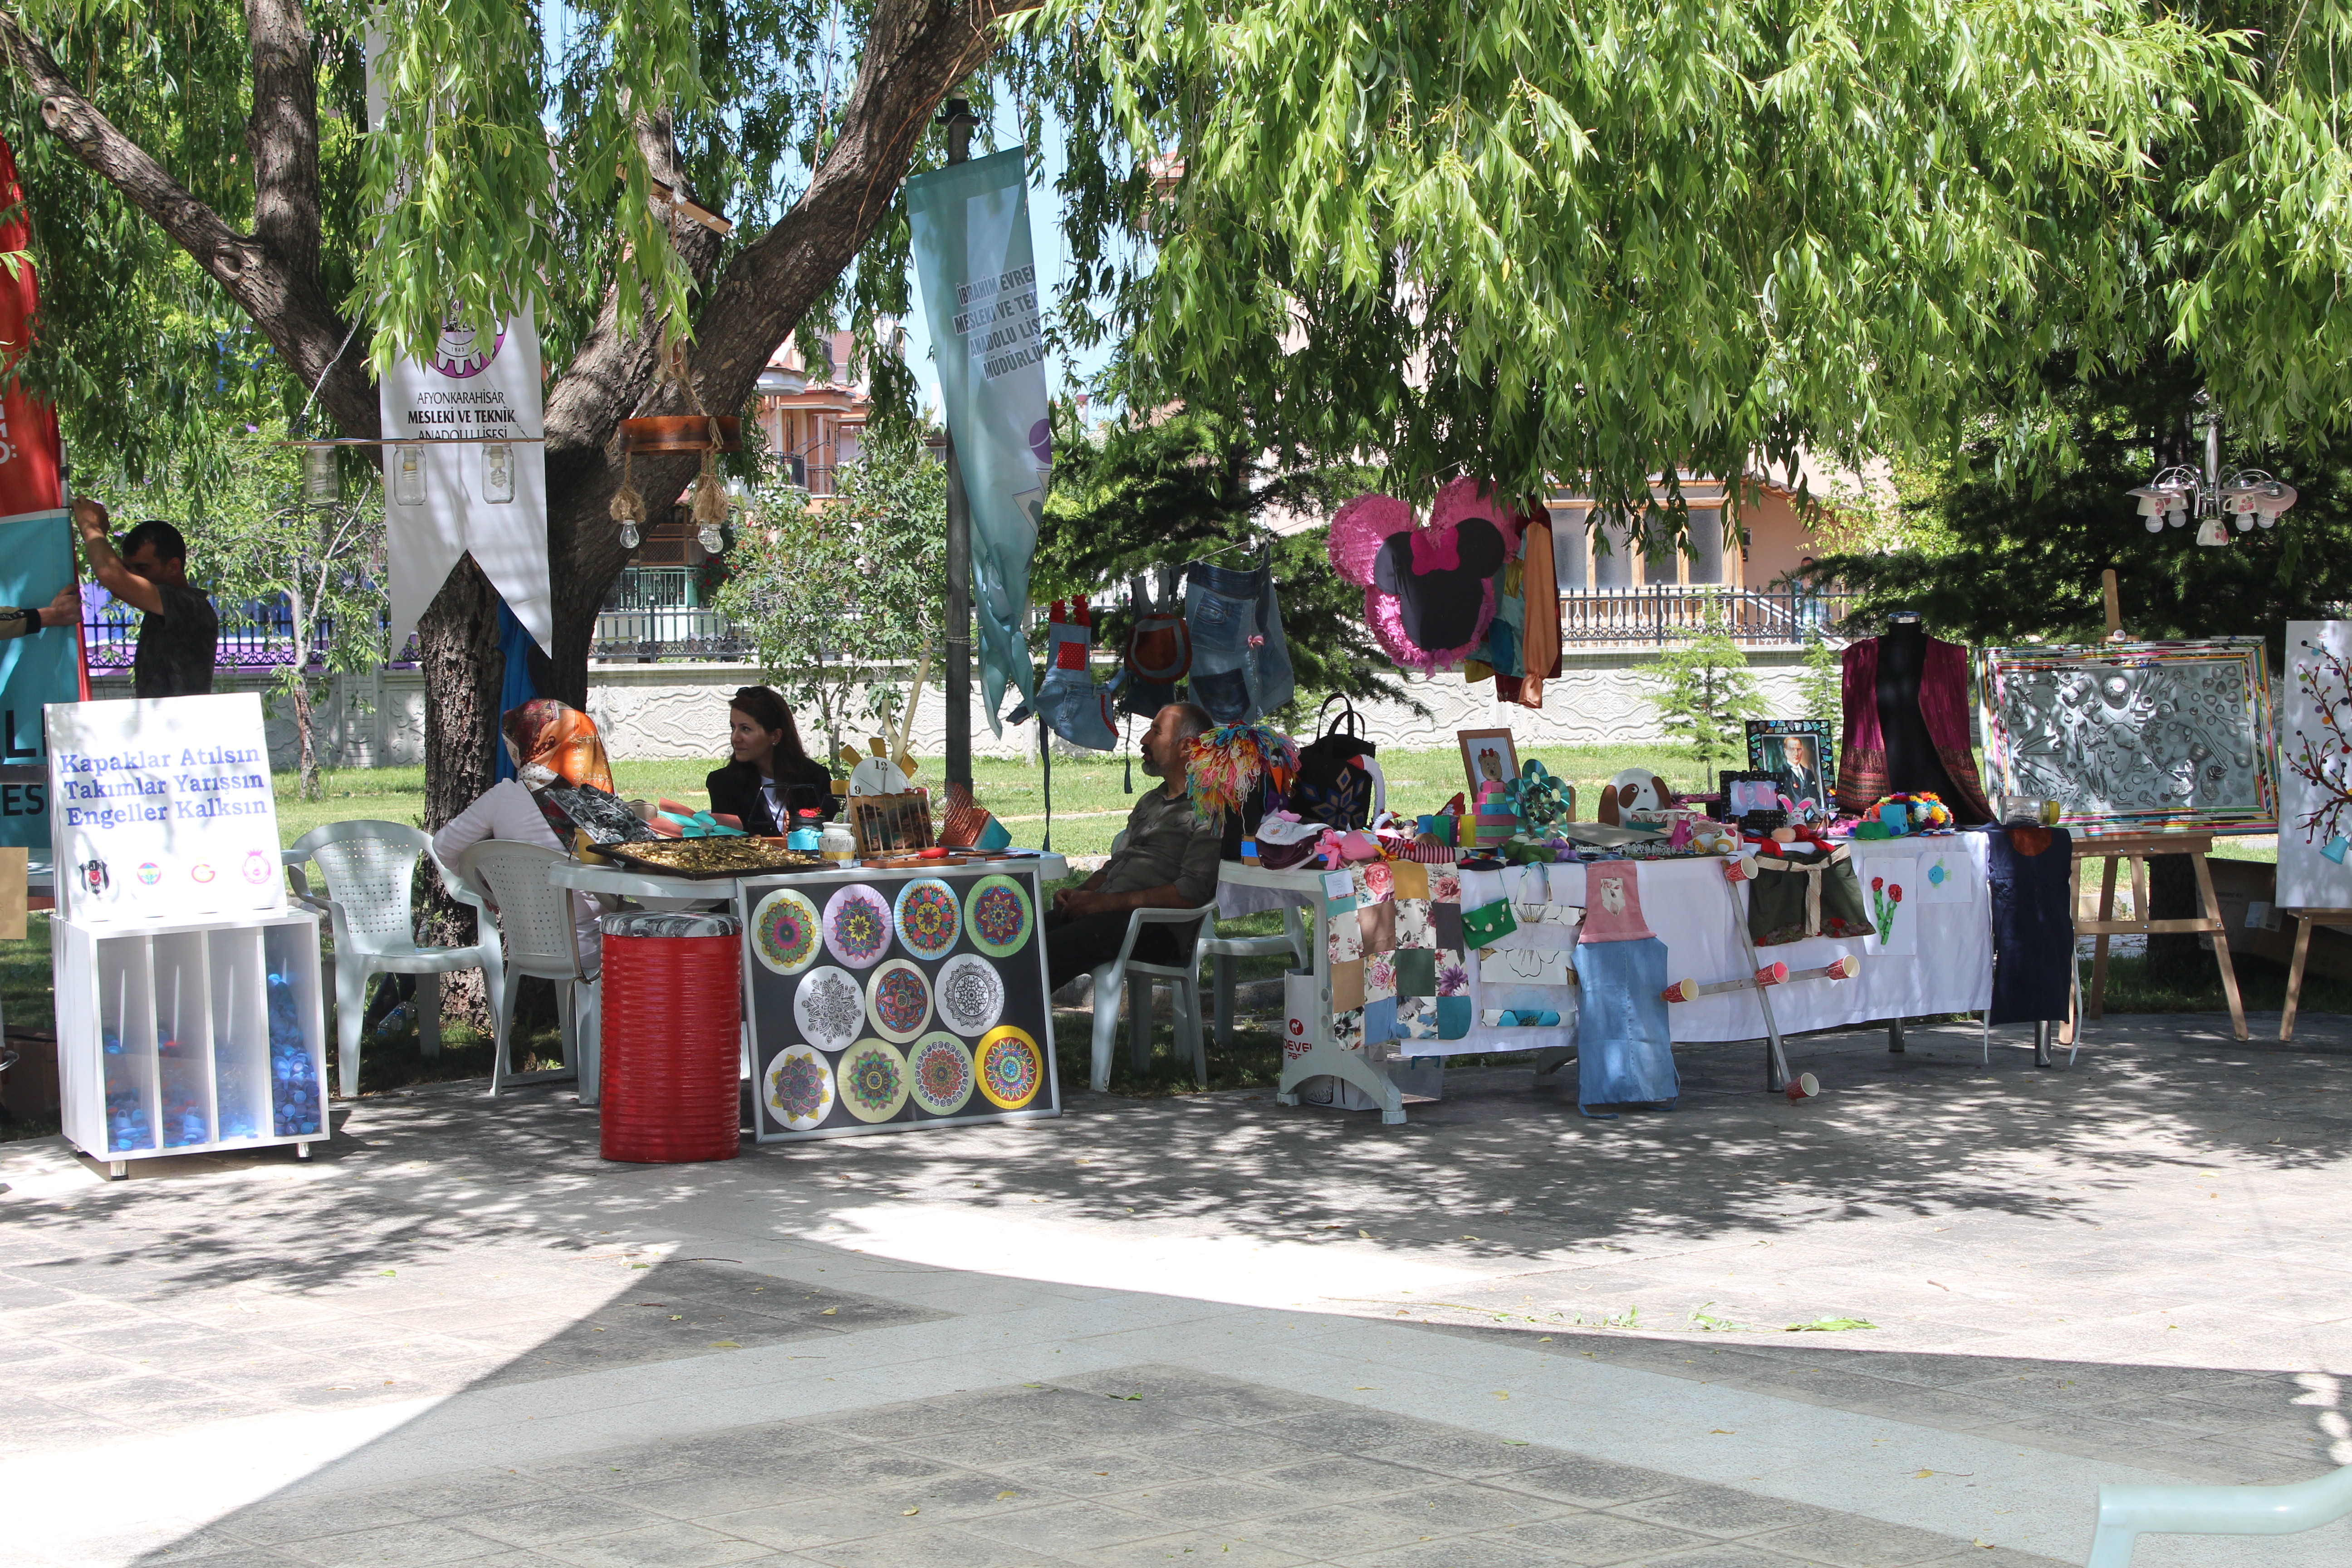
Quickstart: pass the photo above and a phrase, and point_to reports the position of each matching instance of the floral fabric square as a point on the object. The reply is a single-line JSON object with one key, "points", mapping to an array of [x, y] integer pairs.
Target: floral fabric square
{"points": [[1380, 976], [1413, 926], [1416, 1017], [1348, 1030], [1453, 976], [1445, 886], [1377, 882], [1344, 940]]}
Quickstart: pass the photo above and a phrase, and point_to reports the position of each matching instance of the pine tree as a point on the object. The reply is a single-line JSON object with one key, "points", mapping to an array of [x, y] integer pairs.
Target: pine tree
{"points": [[1822, 683], [1705, 693]]}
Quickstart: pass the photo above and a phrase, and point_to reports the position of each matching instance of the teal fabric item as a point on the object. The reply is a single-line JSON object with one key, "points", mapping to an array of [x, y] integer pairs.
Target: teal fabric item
{"points": [[1453, 1016], [970, 226]]}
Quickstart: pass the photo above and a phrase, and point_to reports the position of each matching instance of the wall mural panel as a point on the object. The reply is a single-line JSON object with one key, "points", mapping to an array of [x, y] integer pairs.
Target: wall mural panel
{"points": [[2136, 735]]}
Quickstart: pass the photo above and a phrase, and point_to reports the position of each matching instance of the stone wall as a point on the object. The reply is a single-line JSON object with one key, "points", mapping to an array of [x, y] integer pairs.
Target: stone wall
{"points": [[679, 710]]}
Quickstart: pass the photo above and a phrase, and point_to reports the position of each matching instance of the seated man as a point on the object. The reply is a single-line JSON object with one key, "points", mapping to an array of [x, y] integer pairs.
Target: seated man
{"points": [[1169, 862]]}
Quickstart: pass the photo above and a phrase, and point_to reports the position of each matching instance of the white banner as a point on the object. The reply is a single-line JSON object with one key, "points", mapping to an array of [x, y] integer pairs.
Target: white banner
{"points": [[162, 810], [483, 489], [486, 498]]}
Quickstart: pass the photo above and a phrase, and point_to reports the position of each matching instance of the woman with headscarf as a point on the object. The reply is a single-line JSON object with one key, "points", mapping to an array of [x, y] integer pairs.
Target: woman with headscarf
{"points": [[552, 743]]}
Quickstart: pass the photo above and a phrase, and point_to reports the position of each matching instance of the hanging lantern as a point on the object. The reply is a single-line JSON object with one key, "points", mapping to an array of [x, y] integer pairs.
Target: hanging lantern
{"points": [[408, 477], [319, 481]]}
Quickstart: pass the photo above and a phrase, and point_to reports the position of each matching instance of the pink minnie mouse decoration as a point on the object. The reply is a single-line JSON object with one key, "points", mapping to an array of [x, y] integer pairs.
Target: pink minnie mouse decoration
{"points": [[1429, 592]]}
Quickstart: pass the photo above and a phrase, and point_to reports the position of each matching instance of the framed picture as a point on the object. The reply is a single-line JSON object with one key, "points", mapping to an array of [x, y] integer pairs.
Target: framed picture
{"points": [[2147, 736], [1757, 790], [1798, 752], [1488, 756]]}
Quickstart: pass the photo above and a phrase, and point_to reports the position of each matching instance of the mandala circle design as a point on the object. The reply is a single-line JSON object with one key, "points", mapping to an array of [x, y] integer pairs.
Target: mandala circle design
{"points": [[940, 1066], [929, 918], [900, 1000], [830, 1008], [1011, 1070], [970, 995], [858, 926], [874, 1081], [1000, 916], [783, 932], [799, 1088]]}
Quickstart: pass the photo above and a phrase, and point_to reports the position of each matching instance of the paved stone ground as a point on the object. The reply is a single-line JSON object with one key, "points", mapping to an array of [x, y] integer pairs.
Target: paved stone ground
{"points": [[1155, 1331]]}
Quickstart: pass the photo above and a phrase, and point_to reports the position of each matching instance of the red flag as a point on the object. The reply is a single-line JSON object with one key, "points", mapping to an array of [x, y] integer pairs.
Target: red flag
{"points": [[30, 454]]}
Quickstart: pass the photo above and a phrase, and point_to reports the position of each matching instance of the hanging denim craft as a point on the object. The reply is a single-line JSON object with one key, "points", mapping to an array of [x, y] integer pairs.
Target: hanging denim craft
{"points": [[1624, 1041], [1241, 661], [2029, 869], [1068, 701]]}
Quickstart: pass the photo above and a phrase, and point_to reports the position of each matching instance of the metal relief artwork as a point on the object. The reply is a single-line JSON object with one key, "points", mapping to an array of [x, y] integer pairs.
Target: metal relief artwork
{"points": [[2131, 736]]}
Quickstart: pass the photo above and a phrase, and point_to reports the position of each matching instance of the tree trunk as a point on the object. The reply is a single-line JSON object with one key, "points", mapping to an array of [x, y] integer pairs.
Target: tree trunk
{"points": [[302, 739]]}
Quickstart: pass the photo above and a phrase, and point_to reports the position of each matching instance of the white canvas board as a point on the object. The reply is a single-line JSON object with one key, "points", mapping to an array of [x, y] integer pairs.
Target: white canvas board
{"points": [[1890, 897], [2315, 838], [164, 811]]}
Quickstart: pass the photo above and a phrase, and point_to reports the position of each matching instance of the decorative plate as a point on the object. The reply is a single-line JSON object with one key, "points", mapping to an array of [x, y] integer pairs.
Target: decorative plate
{"points": [[830, 1008], [799, 1088], [1000, 916], [874, 1081], [900, 1000], [929, 918], [784, 932], [940, 1066], [858, 926], [1011, 1070], [970, 995]]}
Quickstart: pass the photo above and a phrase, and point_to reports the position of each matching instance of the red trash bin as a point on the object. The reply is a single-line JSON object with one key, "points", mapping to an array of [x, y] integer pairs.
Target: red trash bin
{"points": [[673, 1016]]}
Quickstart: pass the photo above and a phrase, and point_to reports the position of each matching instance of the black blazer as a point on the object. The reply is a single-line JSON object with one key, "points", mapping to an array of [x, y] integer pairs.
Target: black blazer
{"points": [[735, 791]]}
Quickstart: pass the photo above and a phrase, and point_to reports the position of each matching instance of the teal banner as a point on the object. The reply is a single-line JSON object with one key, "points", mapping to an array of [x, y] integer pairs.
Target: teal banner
{"points": [[36, 561], [979, 280]]}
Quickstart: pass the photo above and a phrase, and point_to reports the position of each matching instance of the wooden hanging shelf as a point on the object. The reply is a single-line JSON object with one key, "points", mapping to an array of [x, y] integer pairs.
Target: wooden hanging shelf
{"points": [[680, 433]]}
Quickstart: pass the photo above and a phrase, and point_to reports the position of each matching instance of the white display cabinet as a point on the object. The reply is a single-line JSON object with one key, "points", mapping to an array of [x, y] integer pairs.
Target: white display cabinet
{"points": [[186, 1039]]}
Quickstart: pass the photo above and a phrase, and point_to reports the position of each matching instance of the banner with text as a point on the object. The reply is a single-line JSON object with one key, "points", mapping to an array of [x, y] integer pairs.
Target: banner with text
{"points": [[979, 295], [164, 811], [35, 560]]}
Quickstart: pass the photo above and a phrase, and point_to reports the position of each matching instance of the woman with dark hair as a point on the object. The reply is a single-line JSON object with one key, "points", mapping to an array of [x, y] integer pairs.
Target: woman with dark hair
{"points": [[769, 777]]}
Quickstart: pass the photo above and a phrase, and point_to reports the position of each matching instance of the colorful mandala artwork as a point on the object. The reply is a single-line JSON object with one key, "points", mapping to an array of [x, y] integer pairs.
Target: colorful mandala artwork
{"points": [[783, 932], [799, 1088], [900, 1000], [858, 926], [970, 995], [830, 1008], [1000, 916], [874, 1081], [1011, 1070], [929, 918], [940, 1066]]}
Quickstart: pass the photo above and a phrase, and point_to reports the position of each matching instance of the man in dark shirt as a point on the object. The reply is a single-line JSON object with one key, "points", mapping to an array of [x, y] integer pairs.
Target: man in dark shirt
{"points": [[1169, 862], [179, 632]]}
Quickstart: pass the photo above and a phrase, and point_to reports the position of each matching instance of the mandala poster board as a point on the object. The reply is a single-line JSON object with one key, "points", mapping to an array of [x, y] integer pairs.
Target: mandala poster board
{"points": [[2315, 841], [981, 1050], [2136, 737]]}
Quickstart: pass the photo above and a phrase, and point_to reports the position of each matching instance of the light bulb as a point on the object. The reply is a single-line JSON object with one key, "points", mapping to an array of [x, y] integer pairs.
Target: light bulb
{"points": [[498, 472], [713, 542], [2176, 517], [2155, 524], [2266, 520], [2245, 522], [629, 536]]}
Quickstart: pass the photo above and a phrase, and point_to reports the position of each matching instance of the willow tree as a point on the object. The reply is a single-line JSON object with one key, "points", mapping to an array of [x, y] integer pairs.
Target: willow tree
{"points": [[1603, 241], [219, 229]]}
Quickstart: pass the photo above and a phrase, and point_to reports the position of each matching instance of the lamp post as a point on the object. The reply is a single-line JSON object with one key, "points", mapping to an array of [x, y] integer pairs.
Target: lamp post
{"points": [[955, 679]]}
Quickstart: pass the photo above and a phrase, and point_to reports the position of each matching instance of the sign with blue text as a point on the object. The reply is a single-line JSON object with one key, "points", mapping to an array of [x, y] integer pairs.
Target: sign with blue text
{"points": [[36, 561], [163, 812]]}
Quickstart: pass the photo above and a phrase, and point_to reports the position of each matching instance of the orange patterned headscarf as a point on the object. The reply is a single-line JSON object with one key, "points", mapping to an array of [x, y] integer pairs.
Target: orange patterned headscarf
{"points": [[554, 743]]}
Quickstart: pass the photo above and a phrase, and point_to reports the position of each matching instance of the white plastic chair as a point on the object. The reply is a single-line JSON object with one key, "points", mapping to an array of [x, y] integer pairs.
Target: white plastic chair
{"points": [[2128, 1512], [370, 868], [1226, 949], [534, 917], [1124, 974]]}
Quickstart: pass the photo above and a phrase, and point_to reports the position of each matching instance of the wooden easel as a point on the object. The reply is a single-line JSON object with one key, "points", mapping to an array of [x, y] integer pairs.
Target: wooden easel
{"points": [[2334, 920], [2137, 847]]}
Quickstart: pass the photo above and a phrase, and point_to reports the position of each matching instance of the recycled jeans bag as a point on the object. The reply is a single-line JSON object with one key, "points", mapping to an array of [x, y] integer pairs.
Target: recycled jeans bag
{"points": [[1241, 662]]}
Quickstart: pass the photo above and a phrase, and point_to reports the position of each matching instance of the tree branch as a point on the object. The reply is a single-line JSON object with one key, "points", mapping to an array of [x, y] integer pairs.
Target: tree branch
{"points": [[284, 300], [282, 135]]}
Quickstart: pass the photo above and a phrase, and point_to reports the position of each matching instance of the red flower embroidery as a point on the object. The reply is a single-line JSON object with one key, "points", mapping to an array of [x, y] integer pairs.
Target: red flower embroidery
{"points": [[1878, 884], [1895, 892]]}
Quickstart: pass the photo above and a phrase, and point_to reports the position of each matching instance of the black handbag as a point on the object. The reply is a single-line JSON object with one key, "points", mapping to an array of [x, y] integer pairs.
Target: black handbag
{"points": [[1335, 784]]}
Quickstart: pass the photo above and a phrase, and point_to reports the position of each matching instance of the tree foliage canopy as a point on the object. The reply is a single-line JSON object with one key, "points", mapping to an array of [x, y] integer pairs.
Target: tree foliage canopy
{"points": [[1600, 242]]}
